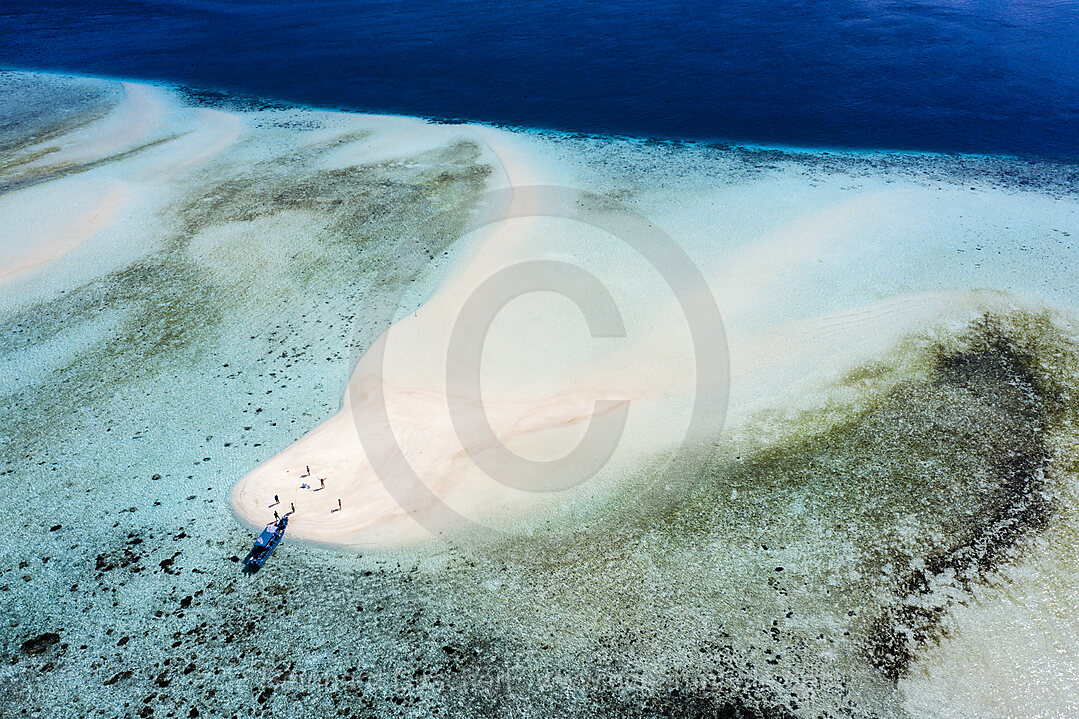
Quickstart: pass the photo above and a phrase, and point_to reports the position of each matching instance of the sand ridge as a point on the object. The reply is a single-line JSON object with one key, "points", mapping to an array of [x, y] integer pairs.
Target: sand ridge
{"points": [[788, 339], [407, 366], [160, 140]]}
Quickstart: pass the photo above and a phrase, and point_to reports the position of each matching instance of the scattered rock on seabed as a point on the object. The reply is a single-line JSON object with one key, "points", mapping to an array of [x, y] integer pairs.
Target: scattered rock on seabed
{"points": [[41, 643]]}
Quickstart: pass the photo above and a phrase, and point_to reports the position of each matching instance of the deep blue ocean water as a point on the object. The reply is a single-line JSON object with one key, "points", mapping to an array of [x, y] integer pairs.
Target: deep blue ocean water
{"points": [[993, 76]]}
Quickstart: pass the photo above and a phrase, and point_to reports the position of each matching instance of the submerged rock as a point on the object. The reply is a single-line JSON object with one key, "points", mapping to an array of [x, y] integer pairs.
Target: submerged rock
{"points": [[41, 643]]}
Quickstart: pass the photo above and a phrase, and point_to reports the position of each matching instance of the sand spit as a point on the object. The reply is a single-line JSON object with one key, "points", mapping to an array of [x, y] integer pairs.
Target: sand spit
{"points": [[804, 301], [406, 371]]}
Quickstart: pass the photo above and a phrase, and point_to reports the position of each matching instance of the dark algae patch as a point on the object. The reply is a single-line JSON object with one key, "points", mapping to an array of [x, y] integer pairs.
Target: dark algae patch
{"points": [[999, 375], [805, 569]]}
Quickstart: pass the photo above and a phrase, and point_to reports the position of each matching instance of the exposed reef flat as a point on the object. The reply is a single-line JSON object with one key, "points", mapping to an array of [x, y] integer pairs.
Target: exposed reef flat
{"points": [[885, 526]]}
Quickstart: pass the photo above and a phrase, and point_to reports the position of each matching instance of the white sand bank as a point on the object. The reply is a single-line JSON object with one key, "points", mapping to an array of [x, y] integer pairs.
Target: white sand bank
{"points": [[805, 301], [408, 368]]}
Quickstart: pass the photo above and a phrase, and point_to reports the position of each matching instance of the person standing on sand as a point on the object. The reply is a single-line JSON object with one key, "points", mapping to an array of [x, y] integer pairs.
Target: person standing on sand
{"points": [[276, 517], [339, 504], [276, 500], [308, 468], [293, 507], [322, 482]]}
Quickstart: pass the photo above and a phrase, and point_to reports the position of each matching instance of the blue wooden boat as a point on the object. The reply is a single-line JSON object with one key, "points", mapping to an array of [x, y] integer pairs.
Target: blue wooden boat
{"points": [[265, 544]]}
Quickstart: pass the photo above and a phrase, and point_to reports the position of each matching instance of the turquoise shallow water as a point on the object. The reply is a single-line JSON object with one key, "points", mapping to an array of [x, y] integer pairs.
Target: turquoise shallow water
{"points": [[808, 568]]}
